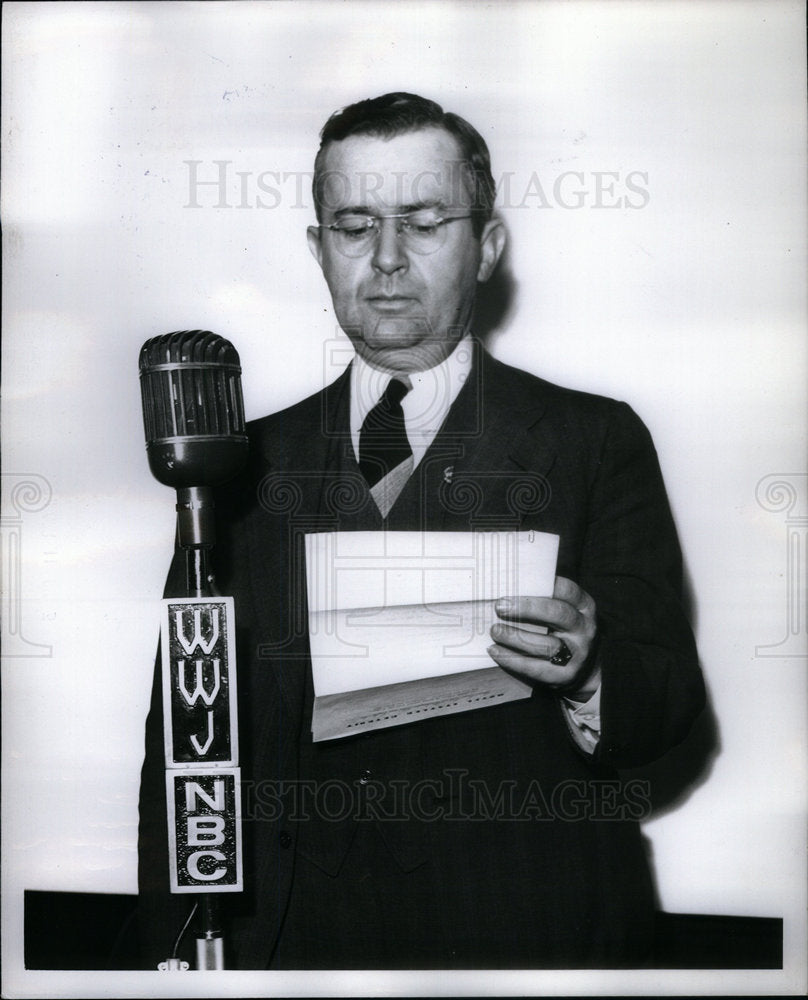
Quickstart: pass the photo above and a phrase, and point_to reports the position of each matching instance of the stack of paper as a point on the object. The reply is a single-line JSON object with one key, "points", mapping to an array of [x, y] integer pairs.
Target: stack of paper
{"points": [[399, 622]]}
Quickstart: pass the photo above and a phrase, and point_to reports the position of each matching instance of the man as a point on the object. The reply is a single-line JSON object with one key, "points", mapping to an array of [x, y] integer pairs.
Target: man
{"points": [[524, 848]]}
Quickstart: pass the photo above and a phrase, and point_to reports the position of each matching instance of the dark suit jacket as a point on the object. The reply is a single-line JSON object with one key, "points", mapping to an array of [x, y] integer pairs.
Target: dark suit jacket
{"points": [[536, 859]]}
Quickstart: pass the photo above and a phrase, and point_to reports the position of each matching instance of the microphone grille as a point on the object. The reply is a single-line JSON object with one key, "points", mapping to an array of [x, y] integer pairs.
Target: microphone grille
{"points": [[190, 384]]}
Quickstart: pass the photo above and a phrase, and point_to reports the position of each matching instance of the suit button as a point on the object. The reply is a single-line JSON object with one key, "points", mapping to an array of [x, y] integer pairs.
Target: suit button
{"points": [[364, 776], [285, 839]]}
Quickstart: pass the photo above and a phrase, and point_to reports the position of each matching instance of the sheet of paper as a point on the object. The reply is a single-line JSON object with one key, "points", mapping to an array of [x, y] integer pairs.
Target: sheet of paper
{"points": [[399, 622]]}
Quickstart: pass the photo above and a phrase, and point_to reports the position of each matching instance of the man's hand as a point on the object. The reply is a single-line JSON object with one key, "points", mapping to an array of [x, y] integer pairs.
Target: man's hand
{"points": [[570, 616]]}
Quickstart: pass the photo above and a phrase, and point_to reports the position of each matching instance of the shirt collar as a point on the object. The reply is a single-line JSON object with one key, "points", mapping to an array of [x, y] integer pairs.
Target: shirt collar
{"points": [[425, 406]]}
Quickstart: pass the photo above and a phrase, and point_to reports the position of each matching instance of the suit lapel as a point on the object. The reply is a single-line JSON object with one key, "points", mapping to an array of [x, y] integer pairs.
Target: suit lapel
{"points": [[296, 469], [490, 460]]}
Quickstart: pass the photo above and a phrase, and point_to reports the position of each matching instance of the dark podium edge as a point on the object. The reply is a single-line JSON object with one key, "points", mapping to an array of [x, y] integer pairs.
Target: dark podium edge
{"points": [[98, 931]]}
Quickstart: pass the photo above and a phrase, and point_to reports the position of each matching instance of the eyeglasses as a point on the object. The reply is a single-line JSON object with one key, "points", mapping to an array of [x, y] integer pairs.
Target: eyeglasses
{"points": [[422, 232]]}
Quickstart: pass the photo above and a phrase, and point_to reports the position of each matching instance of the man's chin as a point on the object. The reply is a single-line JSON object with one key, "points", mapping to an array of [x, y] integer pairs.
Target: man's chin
{"points": [[394, 332], [404, 344], [417, 356]]}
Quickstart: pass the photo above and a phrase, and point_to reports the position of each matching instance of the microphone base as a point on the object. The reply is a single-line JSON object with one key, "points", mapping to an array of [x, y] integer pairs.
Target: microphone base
{"points": [[209, 953]]}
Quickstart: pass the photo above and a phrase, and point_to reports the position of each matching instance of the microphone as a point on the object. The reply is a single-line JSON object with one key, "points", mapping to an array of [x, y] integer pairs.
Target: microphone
{"points": [[193, 416]]}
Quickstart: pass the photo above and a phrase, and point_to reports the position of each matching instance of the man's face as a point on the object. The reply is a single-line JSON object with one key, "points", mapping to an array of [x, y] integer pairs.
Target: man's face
{"points": [[402, 310]]}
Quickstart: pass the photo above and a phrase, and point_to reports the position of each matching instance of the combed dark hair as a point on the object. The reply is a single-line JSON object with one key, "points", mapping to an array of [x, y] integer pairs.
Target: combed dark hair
{"points": [[396, 114]]}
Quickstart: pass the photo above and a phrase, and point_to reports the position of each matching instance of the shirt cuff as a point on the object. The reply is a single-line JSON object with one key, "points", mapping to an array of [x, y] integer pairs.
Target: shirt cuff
{"points": [[584, 719]]}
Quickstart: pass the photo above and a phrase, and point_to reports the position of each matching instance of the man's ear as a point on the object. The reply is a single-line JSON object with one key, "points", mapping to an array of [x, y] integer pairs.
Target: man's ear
{"points": [[314, 238], [492, 243]]}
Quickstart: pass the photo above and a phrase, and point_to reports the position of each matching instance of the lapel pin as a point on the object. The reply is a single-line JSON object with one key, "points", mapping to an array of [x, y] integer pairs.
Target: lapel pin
{"points": [[448, 472]]}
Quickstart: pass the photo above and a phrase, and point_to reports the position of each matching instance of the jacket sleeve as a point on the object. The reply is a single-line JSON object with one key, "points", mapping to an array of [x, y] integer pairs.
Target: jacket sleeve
{"points": [[652, 687]]}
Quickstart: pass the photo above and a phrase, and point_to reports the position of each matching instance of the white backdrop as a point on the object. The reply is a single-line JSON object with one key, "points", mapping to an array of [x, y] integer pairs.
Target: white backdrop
{"points": [[651, 160]]}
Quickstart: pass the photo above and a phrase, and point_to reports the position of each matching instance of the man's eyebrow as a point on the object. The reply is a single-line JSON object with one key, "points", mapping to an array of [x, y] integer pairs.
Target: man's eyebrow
{"points": [[419, 205], [415, 206], [353, 210]]}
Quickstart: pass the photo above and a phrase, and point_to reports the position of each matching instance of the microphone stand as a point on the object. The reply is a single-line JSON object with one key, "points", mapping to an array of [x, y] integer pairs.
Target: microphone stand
{"points": [[193, 416], [196, 535]]}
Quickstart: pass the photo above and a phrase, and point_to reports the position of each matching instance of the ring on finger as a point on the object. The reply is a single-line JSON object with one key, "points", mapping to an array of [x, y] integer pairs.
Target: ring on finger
{"points": [[562, 656]]}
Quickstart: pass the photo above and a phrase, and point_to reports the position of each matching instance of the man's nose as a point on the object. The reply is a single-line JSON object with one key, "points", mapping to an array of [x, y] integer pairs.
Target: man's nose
{"points": [[388, 253]]}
